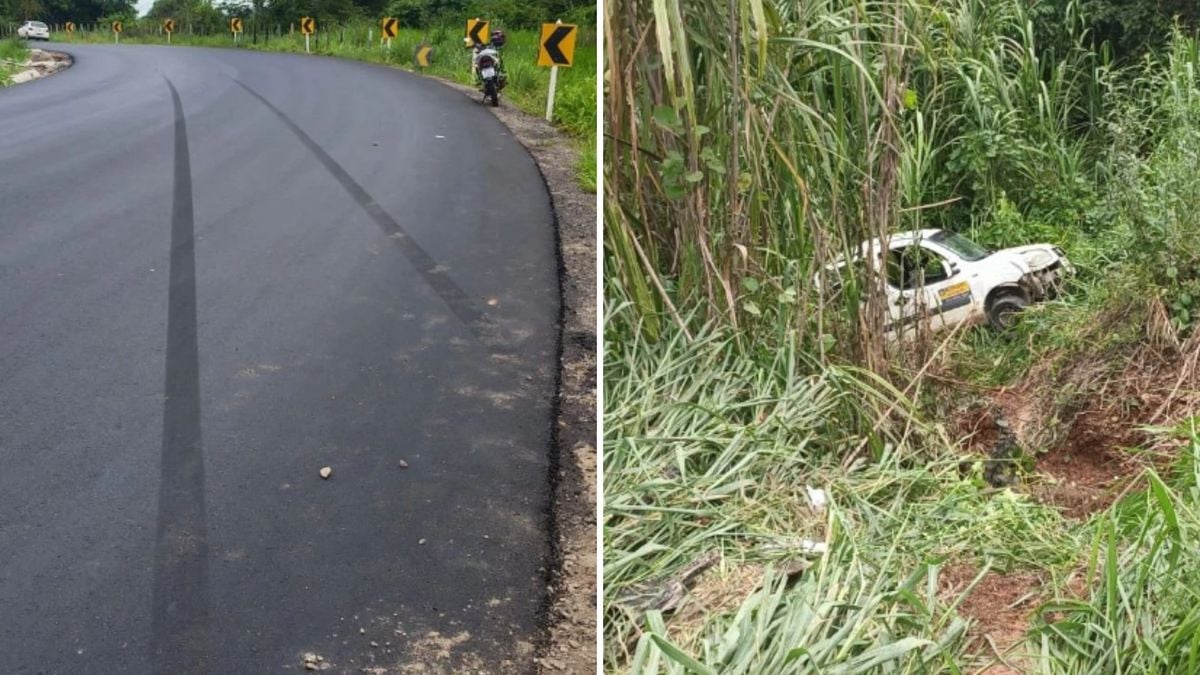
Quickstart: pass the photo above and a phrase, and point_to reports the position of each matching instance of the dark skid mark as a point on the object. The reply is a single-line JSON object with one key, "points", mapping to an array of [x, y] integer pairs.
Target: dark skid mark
{"points": [[443, 285], [180, 631]]}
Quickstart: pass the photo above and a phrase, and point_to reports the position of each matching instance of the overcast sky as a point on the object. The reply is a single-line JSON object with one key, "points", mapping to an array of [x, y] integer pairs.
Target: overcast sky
{"points": [[144, 6]]}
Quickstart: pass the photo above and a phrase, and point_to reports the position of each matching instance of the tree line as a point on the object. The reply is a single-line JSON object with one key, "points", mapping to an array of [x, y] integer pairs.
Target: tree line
{"points": [[214, 14]]}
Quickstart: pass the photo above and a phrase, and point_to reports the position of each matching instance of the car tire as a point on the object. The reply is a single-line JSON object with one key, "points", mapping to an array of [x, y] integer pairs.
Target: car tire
{"points": [[1003, 310]]}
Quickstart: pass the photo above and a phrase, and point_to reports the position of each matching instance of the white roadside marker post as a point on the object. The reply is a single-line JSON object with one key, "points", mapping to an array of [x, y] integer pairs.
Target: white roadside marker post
{"points": [[550, 99], [553, 86]]}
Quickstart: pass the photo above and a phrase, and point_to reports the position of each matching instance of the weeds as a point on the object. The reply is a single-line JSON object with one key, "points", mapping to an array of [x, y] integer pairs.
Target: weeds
{"points": [[13, 53], [708, 450], [753, 142]]}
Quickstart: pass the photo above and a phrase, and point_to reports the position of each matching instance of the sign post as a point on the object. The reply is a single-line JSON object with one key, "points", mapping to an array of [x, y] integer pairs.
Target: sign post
{"points": [[235, 27], [168, 28], [116, 26], [556, 48], [70, 28], [308, 26]]}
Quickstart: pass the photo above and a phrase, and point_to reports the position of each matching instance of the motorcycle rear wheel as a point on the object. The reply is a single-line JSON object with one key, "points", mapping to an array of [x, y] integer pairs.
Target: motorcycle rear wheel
{"points": [[490, 91]]}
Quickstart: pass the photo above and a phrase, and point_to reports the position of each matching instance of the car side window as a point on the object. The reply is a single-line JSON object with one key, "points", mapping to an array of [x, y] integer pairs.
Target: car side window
{"points": [[913, 266]]}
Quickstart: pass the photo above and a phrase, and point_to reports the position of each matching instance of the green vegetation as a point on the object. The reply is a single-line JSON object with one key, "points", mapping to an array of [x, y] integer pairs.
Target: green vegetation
{"points": [[751, 143], [12, 54], [211, 16]]}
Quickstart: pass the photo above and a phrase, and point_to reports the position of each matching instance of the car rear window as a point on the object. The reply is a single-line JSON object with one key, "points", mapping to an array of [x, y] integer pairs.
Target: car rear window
{"points": [[37, 24]]}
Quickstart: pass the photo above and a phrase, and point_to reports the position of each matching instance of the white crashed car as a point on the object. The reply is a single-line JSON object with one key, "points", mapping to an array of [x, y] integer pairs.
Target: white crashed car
{"points": [[949, 279], [34, 30]]}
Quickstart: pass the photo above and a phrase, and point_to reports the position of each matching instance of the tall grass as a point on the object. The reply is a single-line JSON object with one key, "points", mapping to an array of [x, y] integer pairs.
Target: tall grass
{"points": [[710, 451], [1141, 613], [12, 54], [751, 143], [707, 450], [754, 142]]}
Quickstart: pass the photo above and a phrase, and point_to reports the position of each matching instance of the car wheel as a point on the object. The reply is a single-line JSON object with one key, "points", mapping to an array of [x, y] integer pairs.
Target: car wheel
{"points": [[1003, 311]]}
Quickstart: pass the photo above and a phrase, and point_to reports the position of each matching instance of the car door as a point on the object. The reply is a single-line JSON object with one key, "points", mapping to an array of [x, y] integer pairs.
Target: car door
{"points": [[925, 285]]}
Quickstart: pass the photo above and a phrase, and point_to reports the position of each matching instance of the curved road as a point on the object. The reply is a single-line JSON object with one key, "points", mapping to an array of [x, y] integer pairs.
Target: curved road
{"points": [[221, 271]]}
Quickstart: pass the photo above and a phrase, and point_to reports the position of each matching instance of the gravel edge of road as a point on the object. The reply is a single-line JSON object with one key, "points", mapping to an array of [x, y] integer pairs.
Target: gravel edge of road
{"points": [[569, 645]]}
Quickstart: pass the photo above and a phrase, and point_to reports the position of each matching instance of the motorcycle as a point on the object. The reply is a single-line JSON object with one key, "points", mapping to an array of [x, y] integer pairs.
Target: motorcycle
{"points": [[488, 74]]}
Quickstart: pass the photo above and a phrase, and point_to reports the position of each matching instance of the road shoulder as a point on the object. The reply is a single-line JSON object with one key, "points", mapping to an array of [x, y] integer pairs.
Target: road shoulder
{"points": [[40, 63], [569, 644]]}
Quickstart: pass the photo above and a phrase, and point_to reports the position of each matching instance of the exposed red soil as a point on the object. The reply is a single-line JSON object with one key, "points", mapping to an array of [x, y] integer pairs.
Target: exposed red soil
{"points": [[1000, 607], [1083, 473], [1088, 472]]}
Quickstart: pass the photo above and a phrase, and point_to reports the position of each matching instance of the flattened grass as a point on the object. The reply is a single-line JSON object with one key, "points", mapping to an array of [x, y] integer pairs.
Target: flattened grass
{"points": [[707, 449]]}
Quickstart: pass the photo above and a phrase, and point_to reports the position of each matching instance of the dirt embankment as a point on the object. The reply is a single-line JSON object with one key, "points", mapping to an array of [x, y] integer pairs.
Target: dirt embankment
{"points": [[39, 64], [1076, 417]]}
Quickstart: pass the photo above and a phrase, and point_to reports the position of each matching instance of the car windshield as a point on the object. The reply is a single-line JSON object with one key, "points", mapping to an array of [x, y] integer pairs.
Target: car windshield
{"points": [[965, 248], [37, 24]]}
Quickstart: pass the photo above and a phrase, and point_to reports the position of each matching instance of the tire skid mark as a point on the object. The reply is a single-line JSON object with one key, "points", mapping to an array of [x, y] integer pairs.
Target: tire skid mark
{"points": [[433, 273], [180, 632]]}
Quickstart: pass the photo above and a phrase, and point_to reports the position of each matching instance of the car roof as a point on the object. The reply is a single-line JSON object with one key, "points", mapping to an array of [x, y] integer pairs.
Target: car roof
{"points": [[896, 239]]}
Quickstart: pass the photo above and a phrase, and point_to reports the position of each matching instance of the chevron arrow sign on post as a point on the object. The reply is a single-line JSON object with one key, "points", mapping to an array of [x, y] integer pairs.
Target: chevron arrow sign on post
{"points": [[477, 30], [556, 48], [423, 55], [308, 26]]}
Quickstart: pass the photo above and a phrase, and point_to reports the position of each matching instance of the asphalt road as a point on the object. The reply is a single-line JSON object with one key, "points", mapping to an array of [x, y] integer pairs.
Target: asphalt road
{"points": [[221, 271]]}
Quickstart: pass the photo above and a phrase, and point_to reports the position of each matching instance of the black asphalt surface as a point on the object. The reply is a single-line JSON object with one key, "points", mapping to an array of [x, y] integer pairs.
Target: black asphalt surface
{"points": [[221, 271]]}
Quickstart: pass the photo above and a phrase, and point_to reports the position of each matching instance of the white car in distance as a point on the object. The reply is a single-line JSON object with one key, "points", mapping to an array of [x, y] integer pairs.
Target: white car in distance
{"points": [[34, 30], [949, 280]]}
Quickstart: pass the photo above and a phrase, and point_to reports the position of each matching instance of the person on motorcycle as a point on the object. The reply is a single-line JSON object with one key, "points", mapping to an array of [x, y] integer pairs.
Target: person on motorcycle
{"points": [[498, 39]]}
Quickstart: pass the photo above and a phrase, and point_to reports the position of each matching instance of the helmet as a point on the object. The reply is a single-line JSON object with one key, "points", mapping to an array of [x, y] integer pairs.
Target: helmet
{"points": [[498, 38]]}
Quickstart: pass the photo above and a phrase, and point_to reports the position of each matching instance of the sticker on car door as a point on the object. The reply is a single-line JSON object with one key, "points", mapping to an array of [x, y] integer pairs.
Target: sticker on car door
{"points": [[954, 296]]}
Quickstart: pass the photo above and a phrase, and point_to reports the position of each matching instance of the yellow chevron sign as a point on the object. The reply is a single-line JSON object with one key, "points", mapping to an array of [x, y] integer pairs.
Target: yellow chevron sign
{"points": [[116, 26], [390, 26], [477, 30], [423, 56], [69, 27], [308, 25], [235, 25], [169, 25], [557, 46]]}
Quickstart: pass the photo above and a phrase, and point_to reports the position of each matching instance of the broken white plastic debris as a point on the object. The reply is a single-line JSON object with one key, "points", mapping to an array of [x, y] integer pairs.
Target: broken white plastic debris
{"points": [[810, 546], [816, 497]]}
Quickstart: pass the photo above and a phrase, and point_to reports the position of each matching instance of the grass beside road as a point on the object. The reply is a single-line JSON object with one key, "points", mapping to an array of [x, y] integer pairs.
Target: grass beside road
{"points": [[708, 450], [12, 54], [528, 84]]}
